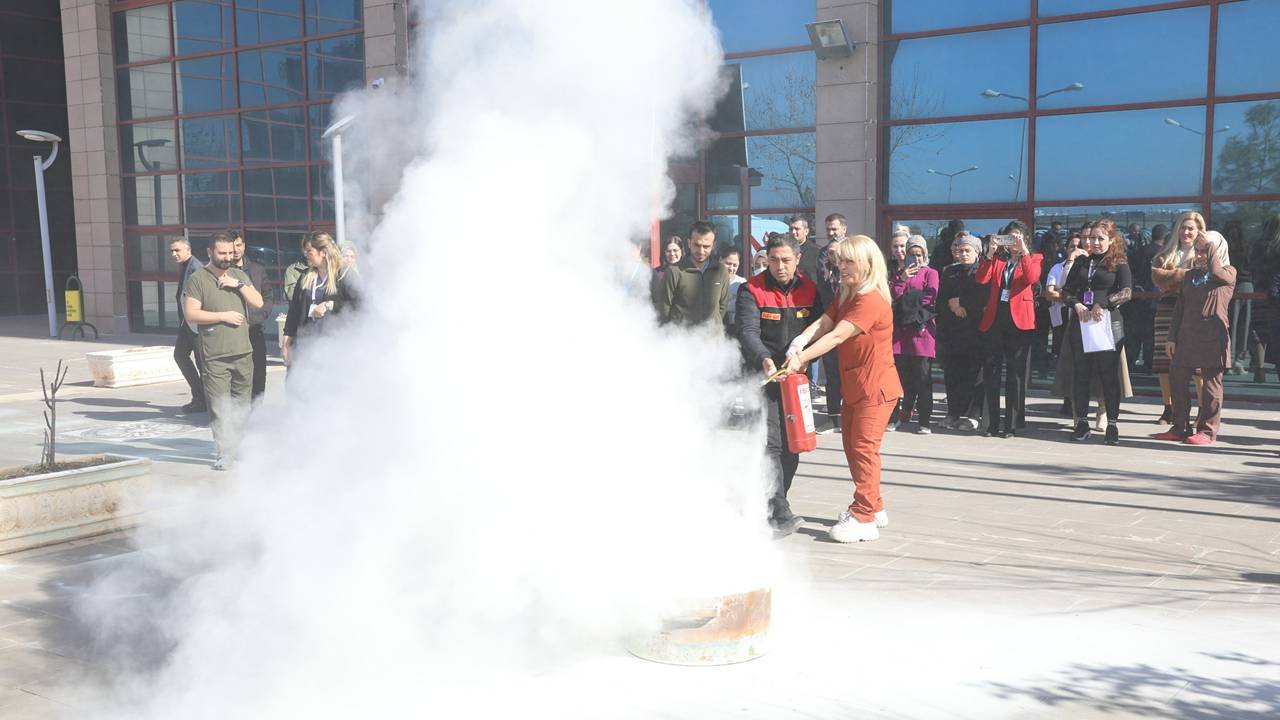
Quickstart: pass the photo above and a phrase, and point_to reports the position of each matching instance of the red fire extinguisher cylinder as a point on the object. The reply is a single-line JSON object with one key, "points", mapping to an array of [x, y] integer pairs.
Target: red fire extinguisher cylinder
{"points": [[797, 412]]}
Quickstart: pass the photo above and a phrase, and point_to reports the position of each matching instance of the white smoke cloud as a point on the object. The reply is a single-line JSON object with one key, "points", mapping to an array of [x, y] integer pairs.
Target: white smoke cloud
{"points": [[501, 467]]}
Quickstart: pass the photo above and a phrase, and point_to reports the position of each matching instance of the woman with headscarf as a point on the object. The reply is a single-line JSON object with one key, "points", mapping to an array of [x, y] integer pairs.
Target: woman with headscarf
{"points": [[1200, 340], [859, 326], [1096, 286], [913, 286], [1168, 268], [960, 303], [327, 288]]}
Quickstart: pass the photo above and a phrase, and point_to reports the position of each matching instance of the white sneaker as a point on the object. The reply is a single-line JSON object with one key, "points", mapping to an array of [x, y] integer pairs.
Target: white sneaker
{"points": [[923, 431], [882, 519], [848, 530], [893, 426], [973, 424]]}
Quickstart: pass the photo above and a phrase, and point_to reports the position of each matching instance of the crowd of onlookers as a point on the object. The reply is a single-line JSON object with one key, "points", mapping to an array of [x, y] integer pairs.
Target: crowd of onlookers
{"points": [[948, 315], [1096, 303], [223, 304]]}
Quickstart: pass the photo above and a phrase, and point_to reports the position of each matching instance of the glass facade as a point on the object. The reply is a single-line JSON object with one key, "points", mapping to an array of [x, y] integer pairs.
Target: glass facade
{"points": [[1106, 105], [761, 167], [1129, 109], [221, 106], [32, 97]]}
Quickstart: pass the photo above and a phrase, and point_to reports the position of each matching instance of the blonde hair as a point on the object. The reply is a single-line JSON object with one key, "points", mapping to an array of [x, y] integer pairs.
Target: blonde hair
{"points": [[323, 242], [1165, 259], [901, 230], [863, 252]]}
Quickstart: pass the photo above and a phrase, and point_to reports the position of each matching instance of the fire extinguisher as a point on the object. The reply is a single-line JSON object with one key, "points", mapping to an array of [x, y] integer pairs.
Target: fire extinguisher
{"points": [[797, 412]]}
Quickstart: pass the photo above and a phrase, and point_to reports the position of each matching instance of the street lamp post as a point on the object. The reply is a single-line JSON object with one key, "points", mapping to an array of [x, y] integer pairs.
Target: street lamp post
{"points": [[951, 176], [334, 134], [152, 166], [1022, 144], [41, 165], [1175, 123]]}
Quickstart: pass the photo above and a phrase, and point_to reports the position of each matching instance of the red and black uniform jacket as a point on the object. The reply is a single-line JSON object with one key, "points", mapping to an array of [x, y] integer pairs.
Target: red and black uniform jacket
{"points": [[770, 315]]}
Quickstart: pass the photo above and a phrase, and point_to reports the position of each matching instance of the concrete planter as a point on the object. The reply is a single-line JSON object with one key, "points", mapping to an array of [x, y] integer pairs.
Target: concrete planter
{"points": [[55, 507], [135, 366]]}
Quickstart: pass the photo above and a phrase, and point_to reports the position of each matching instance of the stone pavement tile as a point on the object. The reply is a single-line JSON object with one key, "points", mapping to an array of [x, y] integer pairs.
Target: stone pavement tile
{"points": [[23, 665], [16, 704]]}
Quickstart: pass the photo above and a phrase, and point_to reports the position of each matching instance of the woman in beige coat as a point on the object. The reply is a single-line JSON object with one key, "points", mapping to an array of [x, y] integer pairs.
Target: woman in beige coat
{"points": [[1200, 339]]}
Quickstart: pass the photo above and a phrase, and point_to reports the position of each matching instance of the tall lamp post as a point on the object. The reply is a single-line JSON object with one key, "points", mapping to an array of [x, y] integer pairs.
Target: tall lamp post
{"points": [[152, 166], [951, 176], [41, 165], [334, 134], [1022, 145]]}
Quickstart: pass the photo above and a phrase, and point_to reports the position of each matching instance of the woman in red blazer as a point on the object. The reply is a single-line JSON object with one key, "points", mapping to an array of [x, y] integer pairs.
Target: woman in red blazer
{"points": [[1011, 272]]}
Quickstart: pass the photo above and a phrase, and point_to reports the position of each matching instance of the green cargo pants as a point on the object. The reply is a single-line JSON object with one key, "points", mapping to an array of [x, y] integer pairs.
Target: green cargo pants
{"points": [[228, 384]]}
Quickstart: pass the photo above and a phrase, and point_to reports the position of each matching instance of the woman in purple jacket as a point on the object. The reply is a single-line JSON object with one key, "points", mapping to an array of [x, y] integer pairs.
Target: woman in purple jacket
{"points": [[914, 287]]}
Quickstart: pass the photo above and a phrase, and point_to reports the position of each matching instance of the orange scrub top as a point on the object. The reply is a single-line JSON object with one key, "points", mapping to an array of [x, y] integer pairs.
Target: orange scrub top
{"points": [[867, 371]]}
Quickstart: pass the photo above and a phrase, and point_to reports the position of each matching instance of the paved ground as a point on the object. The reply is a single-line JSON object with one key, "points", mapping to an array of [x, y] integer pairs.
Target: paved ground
{"points": [[1029, 577]]}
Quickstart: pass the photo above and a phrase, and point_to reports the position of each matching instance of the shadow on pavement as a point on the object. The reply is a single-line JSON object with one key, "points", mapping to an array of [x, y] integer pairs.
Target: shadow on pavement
{"points": [[1144, 690]]}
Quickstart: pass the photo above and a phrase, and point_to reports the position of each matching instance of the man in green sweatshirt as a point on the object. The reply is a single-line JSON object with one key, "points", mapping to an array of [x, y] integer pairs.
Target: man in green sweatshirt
{"points": [[695, 292]]}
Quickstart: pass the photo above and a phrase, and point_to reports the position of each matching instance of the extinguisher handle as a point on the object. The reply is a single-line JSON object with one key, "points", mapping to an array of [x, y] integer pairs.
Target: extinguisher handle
{"points": [[774, 377]]}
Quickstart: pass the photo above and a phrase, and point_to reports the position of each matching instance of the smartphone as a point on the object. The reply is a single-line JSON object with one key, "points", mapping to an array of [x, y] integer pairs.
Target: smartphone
{"points": [[1005, 240], [913, 261]]}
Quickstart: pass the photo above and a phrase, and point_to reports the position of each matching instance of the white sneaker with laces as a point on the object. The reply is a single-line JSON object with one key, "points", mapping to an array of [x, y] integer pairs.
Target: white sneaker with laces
{"points": [[848, 530], [882, 519]]}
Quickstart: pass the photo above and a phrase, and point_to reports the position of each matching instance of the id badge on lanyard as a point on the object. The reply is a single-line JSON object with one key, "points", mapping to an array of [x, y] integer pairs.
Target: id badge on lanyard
{"points": [[1087, 298]]}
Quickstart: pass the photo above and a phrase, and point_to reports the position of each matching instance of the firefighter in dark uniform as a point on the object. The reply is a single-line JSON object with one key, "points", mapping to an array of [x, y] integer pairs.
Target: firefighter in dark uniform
{"points": [[773, 308]]}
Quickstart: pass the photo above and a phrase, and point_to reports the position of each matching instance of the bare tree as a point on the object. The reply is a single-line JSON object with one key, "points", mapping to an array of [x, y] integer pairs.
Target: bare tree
{"points": [[50, 392], [790, 158], [909, 101]]}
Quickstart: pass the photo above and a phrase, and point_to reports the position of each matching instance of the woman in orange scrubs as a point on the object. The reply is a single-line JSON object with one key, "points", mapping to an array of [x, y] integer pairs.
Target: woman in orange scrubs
{"points": [[859, 326]]}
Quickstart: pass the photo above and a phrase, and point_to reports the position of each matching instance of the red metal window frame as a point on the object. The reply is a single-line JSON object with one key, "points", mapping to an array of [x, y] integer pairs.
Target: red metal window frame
{"points": [[313, 221], [681, 172], [1025, 210]]}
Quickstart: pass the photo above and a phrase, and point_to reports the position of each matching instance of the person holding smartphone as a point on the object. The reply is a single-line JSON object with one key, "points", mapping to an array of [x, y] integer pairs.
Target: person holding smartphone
{"points": [[913, 286], [1010, 271]]}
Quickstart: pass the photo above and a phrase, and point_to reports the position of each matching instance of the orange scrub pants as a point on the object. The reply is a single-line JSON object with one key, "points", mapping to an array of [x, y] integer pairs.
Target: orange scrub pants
{"points": [[862, 425]]}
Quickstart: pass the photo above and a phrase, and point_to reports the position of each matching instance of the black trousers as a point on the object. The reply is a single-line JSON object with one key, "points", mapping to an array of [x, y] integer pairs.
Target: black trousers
{"points": [[1059, 333], [916, 375], [831, 369], [782, 462], [962, 374], [258, 341], [184, 347], [1006, 354], [1106, 365], [1039, 355], [1139, 331]]}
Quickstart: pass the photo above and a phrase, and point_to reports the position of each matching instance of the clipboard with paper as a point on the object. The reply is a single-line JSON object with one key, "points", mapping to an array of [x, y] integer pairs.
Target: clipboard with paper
{"points": [[1097, 335]]}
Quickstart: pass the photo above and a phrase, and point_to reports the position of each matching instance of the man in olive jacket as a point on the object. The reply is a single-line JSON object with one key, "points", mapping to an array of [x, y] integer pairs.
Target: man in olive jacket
{"points": [[217, 298], [695, 292]]}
